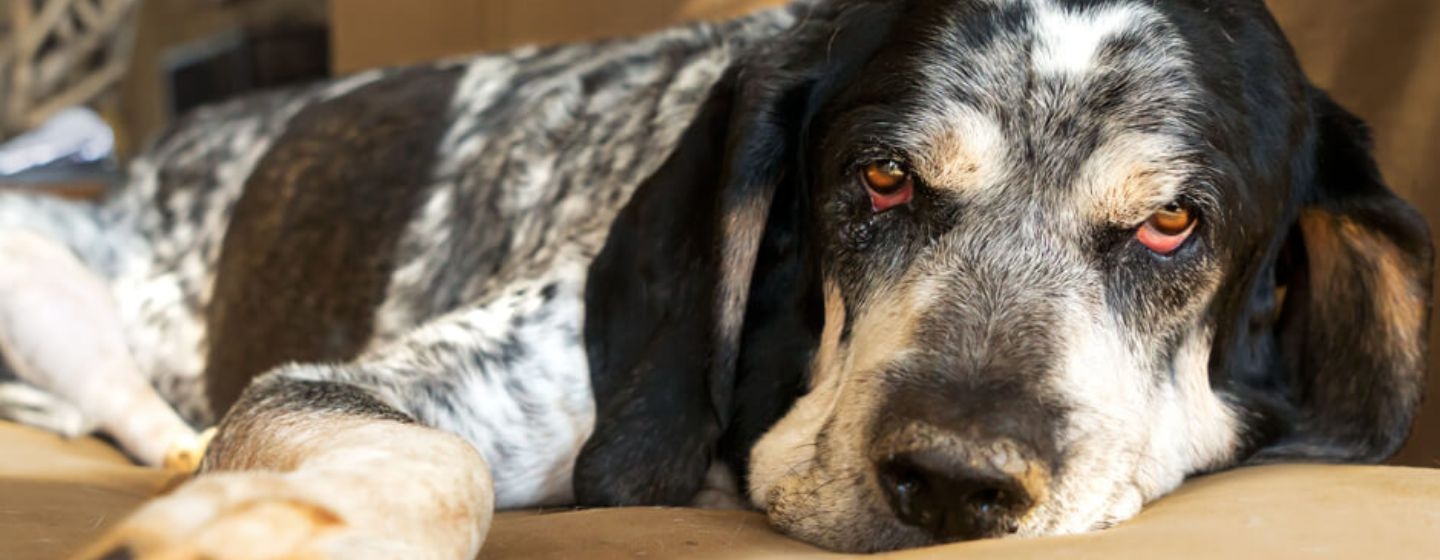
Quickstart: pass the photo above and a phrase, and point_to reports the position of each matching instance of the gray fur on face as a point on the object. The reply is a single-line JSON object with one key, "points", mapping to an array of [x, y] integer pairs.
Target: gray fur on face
{"points": [[1035, 131]]}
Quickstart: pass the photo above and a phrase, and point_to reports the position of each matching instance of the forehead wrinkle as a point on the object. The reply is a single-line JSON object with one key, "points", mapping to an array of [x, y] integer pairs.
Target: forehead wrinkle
{"points": [[975, 54], [1001, 45], [1126, 58], [957, 148], [1130, 176], [980, 119]]}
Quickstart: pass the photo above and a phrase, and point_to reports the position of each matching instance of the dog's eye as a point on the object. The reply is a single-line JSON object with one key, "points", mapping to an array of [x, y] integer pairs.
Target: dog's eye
{"points": [[889, 183], [1168, 229]]}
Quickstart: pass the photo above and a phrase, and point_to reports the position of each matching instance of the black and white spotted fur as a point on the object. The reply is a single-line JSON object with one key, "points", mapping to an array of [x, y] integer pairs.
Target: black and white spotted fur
{"points": [[638, 271], [526, 163]]}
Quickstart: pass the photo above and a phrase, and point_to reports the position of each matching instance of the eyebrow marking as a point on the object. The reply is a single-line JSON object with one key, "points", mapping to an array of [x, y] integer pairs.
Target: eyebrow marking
{"points": [[959, 148], [1126, 178]]}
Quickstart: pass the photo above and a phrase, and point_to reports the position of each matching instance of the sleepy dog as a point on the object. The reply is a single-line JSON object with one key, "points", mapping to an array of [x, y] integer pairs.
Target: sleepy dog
{"points": [[894, 273]]}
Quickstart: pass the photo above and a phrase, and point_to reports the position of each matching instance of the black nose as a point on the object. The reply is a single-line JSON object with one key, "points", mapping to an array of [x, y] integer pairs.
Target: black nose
{"points": [[958, 495]]}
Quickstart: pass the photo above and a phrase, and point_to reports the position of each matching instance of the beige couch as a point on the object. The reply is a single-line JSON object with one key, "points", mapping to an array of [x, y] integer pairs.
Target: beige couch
{"points": [[56, 496]]}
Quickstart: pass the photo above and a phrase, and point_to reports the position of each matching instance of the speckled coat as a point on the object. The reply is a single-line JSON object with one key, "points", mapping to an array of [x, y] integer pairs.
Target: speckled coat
{"points": [[442, 215]]}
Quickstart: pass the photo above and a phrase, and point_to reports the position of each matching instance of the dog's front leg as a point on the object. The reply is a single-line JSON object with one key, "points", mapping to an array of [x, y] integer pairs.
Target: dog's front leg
{"points": [[318, 469]]}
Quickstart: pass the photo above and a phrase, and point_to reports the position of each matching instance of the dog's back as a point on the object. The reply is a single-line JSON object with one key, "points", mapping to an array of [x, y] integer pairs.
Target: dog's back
{"points": [[312, 224]]}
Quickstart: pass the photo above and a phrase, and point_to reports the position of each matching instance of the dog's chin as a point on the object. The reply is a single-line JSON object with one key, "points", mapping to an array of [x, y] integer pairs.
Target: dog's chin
{"points": [[821, 509], [884, 535], [878, 531], [842, 510], [860, 526]]}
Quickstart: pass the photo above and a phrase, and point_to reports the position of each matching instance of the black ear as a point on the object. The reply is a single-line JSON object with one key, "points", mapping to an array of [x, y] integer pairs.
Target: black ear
{"points": [[669, 298], [1353, 328]]}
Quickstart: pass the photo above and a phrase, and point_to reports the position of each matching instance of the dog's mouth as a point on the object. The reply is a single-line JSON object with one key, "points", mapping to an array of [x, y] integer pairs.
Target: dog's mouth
{"points": [[883, 522], [876, 520], [912, 484], [899, 498]]}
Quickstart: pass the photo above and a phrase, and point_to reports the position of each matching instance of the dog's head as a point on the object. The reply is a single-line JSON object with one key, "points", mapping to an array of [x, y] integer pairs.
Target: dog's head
{"points": [[978, 268]]}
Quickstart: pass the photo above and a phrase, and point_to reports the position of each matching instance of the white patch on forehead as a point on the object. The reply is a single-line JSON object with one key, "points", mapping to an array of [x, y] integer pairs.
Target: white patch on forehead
{"points": [[1069, 39]]}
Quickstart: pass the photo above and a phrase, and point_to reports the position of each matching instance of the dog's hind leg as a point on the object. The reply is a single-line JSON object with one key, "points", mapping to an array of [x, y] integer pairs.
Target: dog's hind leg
{"points": [[403, 453], [60, 332], [26, 404]]}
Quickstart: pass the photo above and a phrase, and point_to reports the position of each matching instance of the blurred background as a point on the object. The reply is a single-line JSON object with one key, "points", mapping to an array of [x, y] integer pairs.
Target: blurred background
{"points": [[85, 84]]}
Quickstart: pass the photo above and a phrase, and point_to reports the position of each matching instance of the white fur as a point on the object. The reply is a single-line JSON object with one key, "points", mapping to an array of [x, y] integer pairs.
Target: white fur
{"points": [[1070, 39], [340, 489], [59, 331], [542, 443]]}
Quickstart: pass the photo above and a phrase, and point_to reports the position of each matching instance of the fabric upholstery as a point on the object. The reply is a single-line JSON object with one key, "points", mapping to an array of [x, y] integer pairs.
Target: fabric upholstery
{"points": [[56, 496]]}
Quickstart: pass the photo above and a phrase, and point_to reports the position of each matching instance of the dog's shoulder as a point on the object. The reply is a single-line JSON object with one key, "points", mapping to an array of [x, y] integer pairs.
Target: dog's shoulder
{"points": [[466, 175], [212, 154]]}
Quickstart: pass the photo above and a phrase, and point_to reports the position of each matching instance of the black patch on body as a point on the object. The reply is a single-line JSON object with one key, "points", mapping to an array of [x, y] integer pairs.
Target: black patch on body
{"points": [[308, 256]]}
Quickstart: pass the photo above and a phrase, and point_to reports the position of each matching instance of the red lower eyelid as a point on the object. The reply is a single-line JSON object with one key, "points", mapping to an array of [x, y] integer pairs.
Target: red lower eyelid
{"points": [[1159, 242], [882, 202]]}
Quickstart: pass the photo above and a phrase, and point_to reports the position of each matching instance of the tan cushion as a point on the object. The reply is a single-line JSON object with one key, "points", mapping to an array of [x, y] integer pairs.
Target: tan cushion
{"points": [[56, 495]]}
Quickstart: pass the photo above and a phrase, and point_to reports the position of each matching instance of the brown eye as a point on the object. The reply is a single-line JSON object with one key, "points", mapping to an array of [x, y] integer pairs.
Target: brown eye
{"points": [[885, 175], [889, 183], [1168, 229], [1172, 220]]}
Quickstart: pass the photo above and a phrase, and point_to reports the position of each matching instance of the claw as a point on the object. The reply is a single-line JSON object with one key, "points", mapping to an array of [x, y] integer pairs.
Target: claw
{"points": [[184, 457]]}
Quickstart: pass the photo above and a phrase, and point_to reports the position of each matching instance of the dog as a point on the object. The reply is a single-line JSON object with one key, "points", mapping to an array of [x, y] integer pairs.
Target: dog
{"points": [[893, 273]]}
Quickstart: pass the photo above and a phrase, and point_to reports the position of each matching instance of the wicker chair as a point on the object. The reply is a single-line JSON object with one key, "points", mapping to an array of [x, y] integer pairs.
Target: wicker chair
{"points": [[59, 53]]}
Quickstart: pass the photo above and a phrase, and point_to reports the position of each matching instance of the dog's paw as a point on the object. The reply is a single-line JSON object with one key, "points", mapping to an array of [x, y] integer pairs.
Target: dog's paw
{"points": [[234, 516]]}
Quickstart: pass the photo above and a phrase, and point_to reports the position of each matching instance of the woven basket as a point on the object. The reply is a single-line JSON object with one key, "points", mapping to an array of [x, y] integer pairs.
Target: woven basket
{"points": [[59, 53]]}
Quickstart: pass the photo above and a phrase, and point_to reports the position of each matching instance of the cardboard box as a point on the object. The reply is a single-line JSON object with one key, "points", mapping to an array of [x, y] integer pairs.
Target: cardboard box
{"points": [[374, 33]]}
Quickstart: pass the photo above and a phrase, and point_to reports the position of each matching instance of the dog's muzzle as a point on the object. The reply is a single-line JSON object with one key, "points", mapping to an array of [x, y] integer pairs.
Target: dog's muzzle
{"points": [[963, 490], [961, 461]]}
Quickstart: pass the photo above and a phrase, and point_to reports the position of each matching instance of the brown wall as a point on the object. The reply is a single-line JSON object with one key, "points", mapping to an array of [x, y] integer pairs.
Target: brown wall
{"points": [[1380, 58], [164, 25], [369, 33]]}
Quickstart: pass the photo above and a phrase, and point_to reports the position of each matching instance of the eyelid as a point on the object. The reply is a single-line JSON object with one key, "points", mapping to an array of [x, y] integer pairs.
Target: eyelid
{"points": [[862, 155], [1195, 196]]}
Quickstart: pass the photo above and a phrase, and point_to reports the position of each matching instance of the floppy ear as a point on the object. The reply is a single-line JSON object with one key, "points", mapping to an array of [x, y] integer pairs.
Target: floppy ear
{"points": [[665, 301], [1354, 325], [668, 299]]}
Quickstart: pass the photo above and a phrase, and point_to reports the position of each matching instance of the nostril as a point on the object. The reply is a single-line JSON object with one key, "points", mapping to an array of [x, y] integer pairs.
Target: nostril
{"points": [[999, 505], [906, 486], [987, 500], [951, 497]]}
